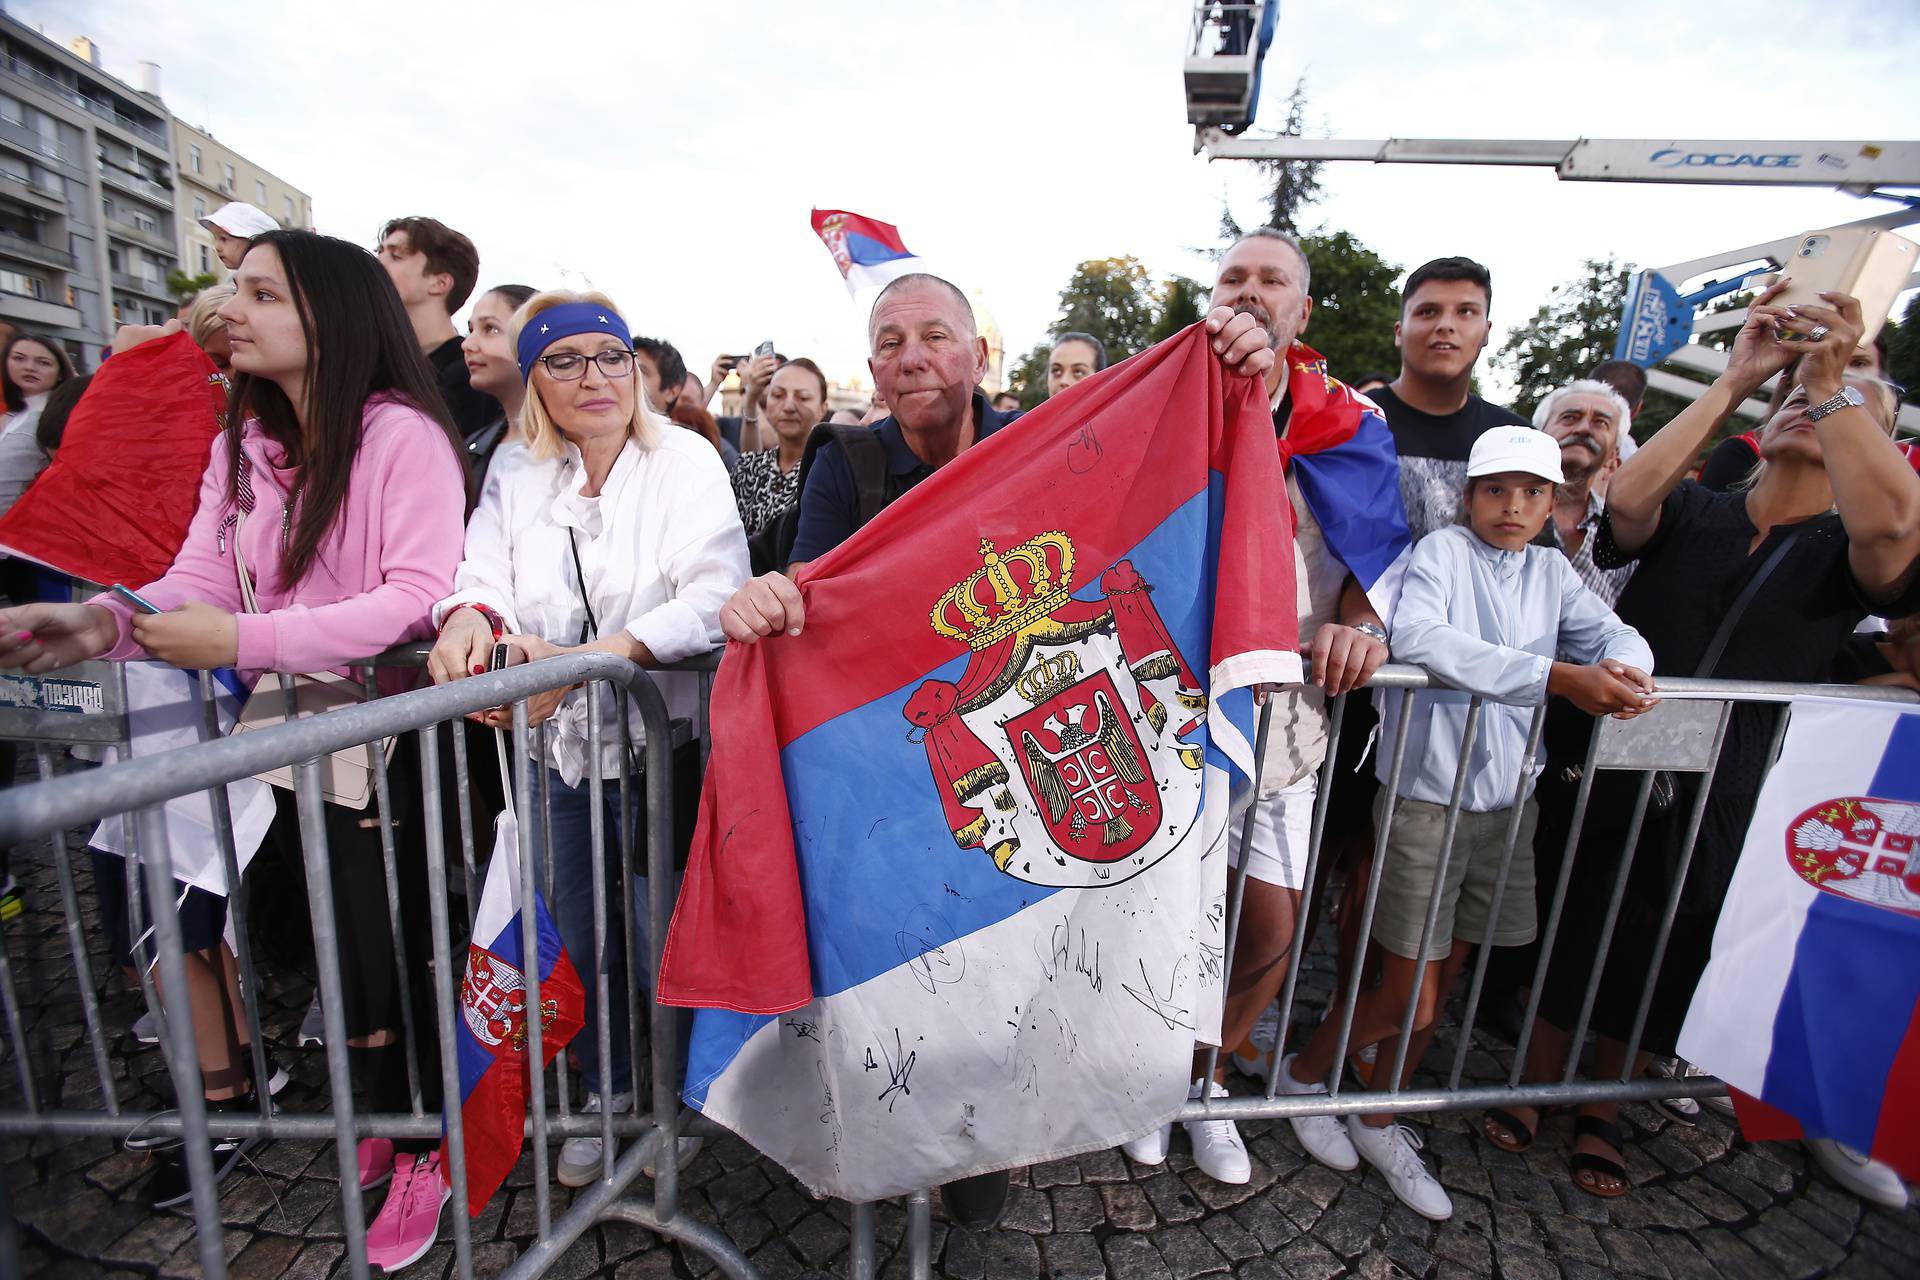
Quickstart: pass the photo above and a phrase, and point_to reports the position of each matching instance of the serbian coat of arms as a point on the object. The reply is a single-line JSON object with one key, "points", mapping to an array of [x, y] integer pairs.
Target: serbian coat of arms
{"points": [[493, 1000], [1068, 750], [1860, 847]]}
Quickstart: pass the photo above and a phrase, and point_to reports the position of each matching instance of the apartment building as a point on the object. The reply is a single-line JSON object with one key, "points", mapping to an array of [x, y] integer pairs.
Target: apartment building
{"points": [[87, 232], [210, 174]]}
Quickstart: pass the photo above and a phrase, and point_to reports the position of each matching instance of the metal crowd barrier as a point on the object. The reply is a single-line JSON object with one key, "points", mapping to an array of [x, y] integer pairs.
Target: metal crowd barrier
{"points": [[1685, 734]]}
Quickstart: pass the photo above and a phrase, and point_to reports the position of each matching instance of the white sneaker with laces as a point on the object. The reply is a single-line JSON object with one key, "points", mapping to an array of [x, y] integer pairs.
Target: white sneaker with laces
{"points": [[312, 1027], [1393, 1150], [1217, 1147], [1866, 1178], [1149, 1148], [1324, 1137], [579, 1163]]}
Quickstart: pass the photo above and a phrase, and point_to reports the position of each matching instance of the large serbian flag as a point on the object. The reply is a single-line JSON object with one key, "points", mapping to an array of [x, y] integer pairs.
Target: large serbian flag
{"points": [[490, 1039], [1811, 1003], [956, 897], [1338, 445], [868, 252]]}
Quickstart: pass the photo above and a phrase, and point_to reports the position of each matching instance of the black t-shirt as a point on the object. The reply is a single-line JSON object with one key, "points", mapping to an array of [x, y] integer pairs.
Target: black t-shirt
{"points": [[472, 410], [1433, 451], [1731, 461], [1794, 629]]}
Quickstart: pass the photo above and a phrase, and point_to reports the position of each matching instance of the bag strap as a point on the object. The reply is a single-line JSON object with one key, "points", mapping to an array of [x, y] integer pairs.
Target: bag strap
{"points": [[1718, 645], [590, 629], [506, 771], [248, 602]]}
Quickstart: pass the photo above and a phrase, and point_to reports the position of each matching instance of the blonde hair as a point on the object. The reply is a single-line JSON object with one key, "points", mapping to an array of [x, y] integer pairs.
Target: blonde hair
{"points": [[544, 437], [203, 314]]}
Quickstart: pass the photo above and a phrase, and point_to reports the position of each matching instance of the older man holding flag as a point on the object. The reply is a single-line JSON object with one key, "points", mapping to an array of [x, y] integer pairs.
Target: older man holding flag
{"points": [[951, 906]]}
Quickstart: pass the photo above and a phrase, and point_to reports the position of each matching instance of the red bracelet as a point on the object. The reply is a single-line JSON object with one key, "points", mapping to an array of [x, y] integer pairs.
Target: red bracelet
{"points": [[493, 619]]}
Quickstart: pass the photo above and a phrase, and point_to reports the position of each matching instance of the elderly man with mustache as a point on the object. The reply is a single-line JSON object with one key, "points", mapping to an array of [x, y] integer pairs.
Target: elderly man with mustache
{"points": [[1587, 417]]}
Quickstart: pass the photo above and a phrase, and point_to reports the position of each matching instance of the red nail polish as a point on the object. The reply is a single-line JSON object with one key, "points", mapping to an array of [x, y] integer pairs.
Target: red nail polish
{"points": [[479, 670], [24, 635]]}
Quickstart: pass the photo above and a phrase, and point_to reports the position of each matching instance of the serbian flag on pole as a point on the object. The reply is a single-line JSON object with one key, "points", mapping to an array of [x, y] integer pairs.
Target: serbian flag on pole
{"points": [[868, 252], [1338, 445], [956, 899], [491, 1037], [1811, 1003]]}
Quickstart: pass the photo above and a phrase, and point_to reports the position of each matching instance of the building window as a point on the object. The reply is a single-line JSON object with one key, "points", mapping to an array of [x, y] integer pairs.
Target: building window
{"points": [[12, 112], [206, 264], [19, 282], [193, 157], [199, 208], [289, 219], [226, 177], [144, 221], [260, 194]]}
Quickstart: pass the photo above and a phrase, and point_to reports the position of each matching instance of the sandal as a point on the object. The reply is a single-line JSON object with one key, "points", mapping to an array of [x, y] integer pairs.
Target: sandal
{"points": [[1589, 1165], [1522, 1132]]}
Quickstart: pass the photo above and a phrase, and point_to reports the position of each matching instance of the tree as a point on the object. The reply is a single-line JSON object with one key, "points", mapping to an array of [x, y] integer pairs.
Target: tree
{"points": [[1296, 183], [1181, 302], [1355, 305], [1112, 299], [1028, 378], [1573, 332], [1903, 351], [183, 286]]}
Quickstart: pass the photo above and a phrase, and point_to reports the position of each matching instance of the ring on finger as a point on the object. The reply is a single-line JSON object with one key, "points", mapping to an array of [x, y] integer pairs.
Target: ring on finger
{"points": [[1818, 332]]}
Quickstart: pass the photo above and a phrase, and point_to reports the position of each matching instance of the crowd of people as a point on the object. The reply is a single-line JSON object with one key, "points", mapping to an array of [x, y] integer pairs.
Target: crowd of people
{"points": [[551, 482]]}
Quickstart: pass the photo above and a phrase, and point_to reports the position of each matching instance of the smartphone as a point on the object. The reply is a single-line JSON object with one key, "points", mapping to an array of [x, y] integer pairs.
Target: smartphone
{"points": [[502, 657], [764, 349], [133, 598], [1871, 264]]}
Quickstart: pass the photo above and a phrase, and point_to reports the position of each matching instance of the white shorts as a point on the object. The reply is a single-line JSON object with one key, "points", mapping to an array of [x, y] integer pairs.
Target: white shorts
{"points": [[1282, 824]]}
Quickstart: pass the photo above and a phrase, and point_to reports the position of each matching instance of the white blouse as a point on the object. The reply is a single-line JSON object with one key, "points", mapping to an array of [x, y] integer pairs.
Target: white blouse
{"points": [[661, 549]]}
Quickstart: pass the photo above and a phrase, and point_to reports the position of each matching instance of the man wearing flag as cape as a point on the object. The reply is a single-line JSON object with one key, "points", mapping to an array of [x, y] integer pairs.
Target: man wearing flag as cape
{"points": [[1101, 586]]}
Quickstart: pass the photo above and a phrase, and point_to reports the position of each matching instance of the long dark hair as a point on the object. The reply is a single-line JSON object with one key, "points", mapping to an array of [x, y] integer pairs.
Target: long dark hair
{"points": [[15, 398], [359, 345]]}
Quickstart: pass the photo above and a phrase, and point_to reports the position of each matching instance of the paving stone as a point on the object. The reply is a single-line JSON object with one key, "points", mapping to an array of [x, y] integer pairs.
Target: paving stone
{"points": [[1301, 1210], [1057, 1173], [1172, 1200], [1077, 1208], [1716, 1205], [1797, 1247], [318, 1259], [1583, 1206], [266, 1258], [1821, 1220], [1259, 1269], [966, 1255], [774, 1262], [1012, 1256], [1409, 1255], [1630, 1252], [1674, 1155], [156, 1236], [1464, 1175], [1861, 1267], [1318, 1184], [1128, 1207], [736, 1190], [1683, 1261], [1105, 1165], [1233, 1240], [1027, 1211], [1524, 1189], [1073, 1257], [117, 1172], [1655, 1207], [1309, 1260], [1188, 1252], [748, 1229], [816, 1238], [1217, 1196], [1347, 1228], [1512, 1226], [1267, 1224], [1769, 1172], [657, 1265], [1517, 1263], [1732, 1257], [1131, 1257], [1454, 1243], [1572, 1240], [785, 1206]]}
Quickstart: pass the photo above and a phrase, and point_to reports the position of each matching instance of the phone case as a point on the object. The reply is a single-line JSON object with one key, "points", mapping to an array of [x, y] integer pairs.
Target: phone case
{"points": [[1871, 264]]}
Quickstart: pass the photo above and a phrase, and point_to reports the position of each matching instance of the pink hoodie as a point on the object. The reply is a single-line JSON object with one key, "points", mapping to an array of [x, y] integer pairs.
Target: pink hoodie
{"points": [[388, 558]]}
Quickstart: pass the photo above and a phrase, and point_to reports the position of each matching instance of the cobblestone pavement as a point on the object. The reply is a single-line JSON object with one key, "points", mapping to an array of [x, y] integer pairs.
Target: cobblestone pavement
{"points": [[1703, 1204]]}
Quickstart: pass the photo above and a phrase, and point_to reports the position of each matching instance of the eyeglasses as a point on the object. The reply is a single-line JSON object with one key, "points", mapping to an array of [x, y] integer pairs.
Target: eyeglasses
{"points": [[571, 366]]}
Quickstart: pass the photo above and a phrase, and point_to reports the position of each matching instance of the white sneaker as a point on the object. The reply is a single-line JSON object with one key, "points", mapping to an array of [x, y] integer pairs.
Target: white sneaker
{"points": [[1217, 1148], [1324, 1137], [1866, 1178], [1393, 1150], [312, 1027], [579, 1163], [1266, 1030], [1149, 1148], [146, 1029], [1679, 1110]]}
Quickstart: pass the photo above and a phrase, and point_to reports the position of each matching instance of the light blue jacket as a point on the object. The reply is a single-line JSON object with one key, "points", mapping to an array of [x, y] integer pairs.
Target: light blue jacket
{"points": [[1490, 622]]}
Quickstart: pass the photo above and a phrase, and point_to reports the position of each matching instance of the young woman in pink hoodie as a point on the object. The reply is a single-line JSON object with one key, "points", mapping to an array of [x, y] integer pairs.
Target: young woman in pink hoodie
{"points": [[341, 458]]}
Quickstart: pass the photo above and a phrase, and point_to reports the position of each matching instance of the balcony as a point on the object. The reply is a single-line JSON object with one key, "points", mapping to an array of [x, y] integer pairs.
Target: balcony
{"points": [[38, 313], [19, 135], [13, 246], [133, 184], [143, 287], [139, 235], [32, 193]]}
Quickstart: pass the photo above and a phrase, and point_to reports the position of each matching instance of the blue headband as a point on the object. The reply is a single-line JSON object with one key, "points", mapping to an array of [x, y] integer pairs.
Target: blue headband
{"points": [[568, 320]]}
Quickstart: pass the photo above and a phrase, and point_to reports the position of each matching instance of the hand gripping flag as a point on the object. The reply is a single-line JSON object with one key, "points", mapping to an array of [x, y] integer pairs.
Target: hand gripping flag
{"points": [[959, 878], [115, 504], [1811, 1002], [867, 251], [1338, 443], [490, 1038]]}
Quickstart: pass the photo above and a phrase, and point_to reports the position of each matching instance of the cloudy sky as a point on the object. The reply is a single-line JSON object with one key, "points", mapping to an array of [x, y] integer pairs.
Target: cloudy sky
{"points": [[669, 153]]}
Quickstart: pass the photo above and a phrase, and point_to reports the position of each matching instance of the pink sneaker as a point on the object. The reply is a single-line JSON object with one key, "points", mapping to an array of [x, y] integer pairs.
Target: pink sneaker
{"points": [[376, 1162], [409, 1221]]}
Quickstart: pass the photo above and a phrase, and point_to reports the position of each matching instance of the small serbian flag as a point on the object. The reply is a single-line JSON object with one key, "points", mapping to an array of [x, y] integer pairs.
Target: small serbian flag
{"points": [[1337, 444], [868, 252], [1811, 1003], [491, 1037]]}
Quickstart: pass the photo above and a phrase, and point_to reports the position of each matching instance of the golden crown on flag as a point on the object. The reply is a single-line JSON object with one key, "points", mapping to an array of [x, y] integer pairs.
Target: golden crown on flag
{"points": [[1011, 589]]}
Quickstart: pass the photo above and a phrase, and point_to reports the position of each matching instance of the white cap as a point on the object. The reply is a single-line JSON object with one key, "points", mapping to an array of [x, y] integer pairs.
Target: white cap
{"points": [[238, 218], [1516, 448]]}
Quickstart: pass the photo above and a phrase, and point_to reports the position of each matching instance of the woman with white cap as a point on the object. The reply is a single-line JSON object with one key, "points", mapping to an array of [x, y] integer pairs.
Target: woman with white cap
{"points": [[613, 532]]}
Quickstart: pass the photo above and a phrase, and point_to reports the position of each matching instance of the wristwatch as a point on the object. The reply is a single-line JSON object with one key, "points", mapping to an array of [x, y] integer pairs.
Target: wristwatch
{"points": [[1373, 629], [1846, 396]]}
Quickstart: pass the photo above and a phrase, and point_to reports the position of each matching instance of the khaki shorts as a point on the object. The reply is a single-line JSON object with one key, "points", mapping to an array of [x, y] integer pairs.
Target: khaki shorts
{"points": [[1406, 880]]}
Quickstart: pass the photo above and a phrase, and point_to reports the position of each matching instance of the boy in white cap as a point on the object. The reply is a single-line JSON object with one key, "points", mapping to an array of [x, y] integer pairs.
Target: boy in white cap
{"points": [[233, 224], [1496, 617]]}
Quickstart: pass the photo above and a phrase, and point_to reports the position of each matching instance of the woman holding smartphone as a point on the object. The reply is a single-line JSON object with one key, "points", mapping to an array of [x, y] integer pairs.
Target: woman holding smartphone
{"points": [[616, 533], [338, 481]]}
